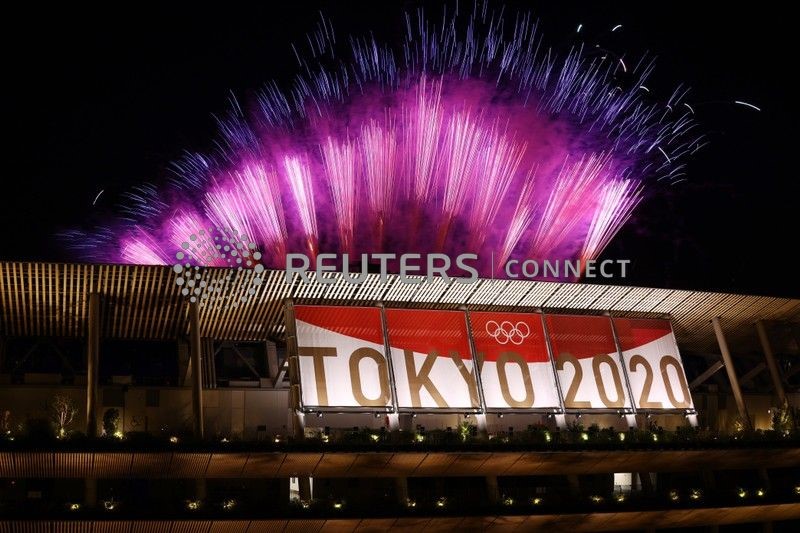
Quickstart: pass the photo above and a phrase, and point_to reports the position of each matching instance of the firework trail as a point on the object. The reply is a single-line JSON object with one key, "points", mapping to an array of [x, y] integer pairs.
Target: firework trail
{"points": [[379, 156], [430, 145]]}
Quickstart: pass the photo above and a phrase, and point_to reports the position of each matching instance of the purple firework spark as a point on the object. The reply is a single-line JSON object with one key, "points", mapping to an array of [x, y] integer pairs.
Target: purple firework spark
{"points": [[469, 136]]}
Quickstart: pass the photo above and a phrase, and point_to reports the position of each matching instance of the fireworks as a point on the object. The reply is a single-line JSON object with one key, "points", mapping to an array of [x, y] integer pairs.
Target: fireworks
{"points": [[470, 136]]}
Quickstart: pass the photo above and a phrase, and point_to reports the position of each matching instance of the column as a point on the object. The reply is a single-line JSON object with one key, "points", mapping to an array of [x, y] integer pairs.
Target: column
{"points": [[731, 370], [401, 490], [90, 492], [195, 349], [493, 490], [297, 418], [92, 364], [306, 494], [771, 364]]}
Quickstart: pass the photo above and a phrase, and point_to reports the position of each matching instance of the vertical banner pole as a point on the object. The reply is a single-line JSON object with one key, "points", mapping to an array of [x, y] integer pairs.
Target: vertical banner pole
{"points": [[394, 416], [561, 418], [476, 371], [292, 359], [630, 418], [691, 416]]}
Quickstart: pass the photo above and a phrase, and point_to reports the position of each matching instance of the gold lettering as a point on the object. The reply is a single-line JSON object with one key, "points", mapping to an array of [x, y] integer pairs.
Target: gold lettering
{"points": [[317, 355], [355, 377], [644, 398], [569, 399], [417, 380], [469, 378], [667, 361], [510, 357], [598, 360]]}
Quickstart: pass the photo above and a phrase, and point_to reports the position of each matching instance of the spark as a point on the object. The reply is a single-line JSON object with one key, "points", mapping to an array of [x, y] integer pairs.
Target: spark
{"points": [[617, 27], [98, 196], [746, 104]]}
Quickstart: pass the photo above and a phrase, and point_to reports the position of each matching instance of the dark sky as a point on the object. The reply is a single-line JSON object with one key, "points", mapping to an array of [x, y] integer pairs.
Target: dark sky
{"points": [[90, 105]]}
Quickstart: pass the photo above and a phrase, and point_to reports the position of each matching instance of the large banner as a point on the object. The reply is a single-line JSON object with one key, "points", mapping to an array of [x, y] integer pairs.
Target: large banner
{"points": [[432, 360], [653, 364], [525, 361], [588, 364], [342, 357], [516, 371]]}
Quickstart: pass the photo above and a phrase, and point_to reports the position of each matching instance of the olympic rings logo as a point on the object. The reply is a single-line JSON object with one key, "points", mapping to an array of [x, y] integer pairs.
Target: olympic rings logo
{"points": [[506, 331]]}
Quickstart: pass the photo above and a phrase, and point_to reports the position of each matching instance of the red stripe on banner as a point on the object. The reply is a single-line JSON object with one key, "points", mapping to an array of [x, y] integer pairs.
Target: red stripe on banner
{"points": [[580, 336], [358, 322], [635, 332], [425, 331], [521, 333]]}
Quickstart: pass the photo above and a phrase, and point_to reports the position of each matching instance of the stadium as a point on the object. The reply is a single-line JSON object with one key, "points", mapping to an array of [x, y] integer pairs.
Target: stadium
{"points": [[422, 265], [216, 423]]}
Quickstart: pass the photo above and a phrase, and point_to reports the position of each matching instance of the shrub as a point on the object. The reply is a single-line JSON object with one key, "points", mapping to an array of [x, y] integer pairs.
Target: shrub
{"points": [[38, 429], [110, 421]]}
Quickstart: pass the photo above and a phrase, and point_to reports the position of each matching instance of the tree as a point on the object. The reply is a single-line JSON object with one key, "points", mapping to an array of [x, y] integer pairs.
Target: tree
{"points": [[62, 412], [5, 422], [110, 421]]}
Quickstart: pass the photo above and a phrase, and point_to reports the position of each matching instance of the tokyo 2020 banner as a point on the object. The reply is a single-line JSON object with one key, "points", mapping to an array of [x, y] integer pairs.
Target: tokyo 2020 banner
{"points": [[438, 361], [516, 368], [653, 365]]}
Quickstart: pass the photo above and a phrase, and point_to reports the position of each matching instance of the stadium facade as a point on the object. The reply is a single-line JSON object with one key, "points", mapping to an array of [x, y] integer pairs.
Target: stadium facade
{"points": [[124, 401]]}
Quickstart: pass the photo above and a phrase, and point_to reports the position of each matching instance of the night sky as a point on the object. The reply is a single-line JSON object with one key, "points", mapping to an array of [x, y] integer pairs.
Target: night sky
{"points": [[91, 105]]}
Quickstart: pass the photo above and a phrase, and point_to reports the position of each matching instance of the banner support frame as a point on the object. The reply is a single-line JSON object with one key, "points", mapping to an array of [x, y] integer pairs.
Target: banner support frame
{"points": [[632, 423], [394, 415], [561, 418], [476, 369]]}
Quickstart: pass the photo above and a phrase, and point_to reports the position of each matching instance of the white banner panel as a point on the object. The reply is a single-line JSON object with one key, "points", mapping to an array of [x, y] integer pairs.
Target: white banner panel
{"points": [[342, 357], [654, 366], [516, 370], [589, 369], [431, 357]]}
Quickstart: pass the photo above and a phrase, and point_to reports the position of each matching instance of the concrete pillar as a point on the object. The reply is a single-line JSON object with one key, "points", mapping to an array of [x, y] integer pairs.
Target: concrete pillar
{"points": [[92, 364], [574, 483], [298, 420], [731, 370], [90, 492], [709, 480], [646, 482], [493, 490], [771, 364], [195, 352], [200, 489], [401, 490], [763, 476], [304, 483]]}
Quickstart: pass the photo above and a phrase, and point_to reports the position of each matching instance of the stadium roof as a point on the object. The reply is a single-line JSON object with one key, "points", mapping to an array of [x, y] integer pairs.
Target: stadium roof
{"points": [[144, 302]]}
